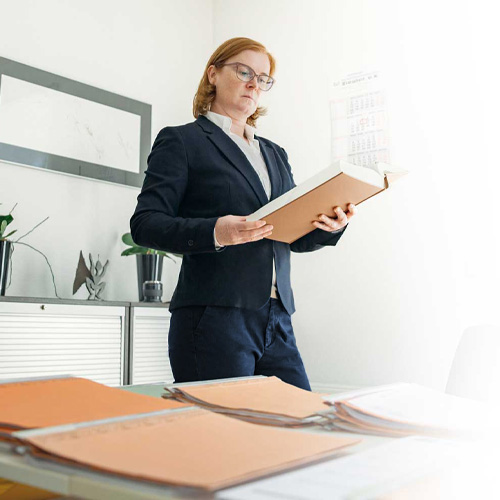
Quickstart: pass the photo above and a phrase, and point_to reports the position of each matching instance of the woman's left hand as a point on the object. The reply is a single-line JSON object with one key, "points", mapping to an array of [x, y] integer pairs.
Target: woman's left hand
{"points": [[328, 224]]}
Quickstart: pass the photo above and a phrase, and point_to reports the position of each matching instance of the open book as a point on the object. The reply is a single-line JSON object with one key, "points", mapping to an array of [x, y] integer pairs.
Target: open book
{"points": [[292, 214]]}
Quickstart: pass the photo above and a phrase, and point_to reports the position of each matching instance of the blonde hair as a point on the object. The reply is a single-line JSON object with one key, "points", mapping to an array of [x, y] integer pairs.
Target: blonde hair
{"points": [[206, 91]]}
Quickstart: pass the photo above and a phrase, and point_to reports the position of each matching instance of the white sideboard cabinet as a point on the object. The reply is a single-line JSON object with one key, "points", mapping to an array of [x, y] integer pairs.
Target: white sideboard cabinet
{"points": [[114, 343], [149, 345], [38, 339]]}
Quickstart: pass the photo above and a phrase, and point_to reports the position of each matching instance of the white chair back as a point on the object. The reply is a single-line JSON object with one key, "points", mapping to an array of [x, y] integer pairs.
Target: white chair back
{"points": [[475, 372]]}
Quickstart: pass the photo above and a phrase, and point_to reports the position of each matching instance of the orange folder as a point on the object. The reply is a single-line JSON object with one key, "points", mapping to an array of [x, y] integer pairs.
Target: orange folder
{"points": [[264, 395], [188, 447], [47, 402]]}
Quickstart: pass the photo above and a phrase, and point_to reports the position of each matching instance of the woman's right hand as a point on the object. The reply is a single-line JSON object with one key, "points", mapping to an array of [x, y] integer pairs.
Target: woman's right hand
{"points": [[235, 230]]}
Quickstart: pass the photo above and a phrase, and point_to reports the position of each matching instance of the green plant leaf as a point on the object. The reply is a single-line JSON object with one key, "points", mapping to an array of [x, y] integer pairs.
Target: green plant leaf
{"points": [[7, 218], [127, 239], [10, 234], [168, 254], [134, 251]]}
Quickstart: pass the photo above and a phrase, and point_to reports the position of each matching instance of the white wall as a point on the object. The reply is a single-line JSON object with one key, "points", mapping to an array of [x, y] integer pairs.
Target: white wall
{"points": [[153, 51], [415, 267], [420, 263]]}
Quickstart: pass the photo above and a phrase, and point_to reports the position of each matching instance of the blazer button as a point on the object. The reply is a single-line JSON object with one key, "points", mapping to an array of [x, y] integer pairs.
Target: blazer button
{"points": [[190, 243]]}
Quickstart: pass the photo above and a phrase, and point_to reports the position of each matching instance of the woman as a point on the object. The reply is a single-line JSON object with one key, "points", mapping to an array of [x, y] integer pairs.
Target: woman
{"points": [[232, 305]]}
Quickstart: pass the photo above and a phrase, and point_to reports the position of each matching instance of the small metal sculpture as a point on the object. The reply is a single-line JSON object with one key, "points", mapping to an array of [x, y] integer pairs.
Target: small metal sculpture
{"points": [[91, 277]]}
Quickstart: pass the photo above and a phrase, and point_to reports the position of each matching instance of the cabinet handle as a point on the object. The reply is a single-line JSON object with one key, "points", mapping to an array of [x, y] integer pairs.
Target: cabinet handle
{"points": [[42, 307]]}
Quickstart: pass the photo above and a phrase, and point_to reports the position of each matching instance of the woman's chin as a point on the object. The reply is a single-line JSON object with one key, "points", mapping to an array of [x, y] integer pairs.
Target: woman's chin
{"points": [[248, 110]]}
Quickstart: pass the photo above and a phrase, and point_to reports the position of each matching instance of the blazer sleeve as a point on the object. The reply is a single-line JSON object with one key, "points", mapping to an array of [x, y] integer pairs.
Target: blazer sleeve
{"points": [[155, 223], [317, 239]]}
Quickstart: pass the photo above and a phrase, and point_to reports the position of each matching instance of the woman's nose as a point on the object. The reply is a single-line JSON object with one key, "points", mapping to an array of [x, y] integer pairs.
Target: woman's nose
{"points": [[253, 83]]}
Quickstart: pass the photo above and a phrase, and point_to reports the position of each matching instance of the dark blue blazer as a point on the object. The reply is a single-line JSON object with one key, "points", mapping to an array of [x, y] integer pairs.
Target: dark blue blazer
{"points": [[196, 174]]}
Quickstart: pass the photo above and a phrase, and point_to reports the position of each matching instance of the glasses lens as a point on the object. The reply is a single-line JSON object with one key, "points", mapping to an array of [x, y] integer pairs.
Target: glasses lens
{"points": [[265, 82], [244, 73]]}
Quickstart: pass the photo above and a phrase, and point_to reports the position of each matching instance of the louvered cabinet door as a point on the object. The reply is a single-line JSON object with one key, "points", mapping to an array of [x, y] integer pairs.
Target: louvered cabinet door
{"points": [[62, 339], [149, 345]]}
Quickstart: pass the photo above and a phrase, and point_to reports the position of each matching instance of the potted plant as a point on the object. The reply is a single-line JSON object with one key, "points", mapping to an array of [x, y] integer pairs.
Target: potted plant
{"points": [[7, 249], [149, 262]]}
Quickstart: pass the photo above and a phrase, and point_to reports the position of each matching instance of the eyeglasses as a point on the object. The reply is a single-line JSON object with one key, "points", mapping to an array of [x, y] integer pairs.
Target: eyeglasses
{"points": [[247, 74]]}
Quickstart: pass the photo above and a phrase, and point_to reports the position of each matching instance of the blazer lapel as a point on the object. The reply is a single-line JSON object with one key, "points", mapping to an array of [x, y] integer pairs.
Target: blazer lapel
{"points": [[233, 154], [272, 168]]}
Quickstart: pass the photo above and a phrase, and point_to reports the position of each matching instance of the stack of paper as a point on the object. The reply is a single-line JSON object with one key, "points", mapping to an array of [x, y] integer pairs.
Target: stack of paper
{"points": [[405, 409], [43, 402], [187, 447], [263, 400]]}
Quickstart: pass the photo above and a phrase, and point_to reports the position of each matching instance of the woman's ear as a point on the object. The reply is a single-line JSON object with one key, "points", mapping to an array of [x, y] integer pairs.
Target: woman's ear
{"points": [[212, 74]]}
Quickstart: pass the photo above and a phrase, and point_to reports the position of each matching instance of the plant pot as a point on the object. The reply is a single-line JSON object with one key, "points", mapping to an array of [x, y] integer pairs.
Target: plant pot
{"points": [[149, 268], [5, 252]]}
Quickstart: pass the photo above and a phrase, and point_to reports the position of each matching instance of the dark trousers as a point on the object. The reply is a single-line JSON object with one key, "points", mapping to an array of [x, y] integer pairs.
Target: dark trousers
{"points": [[211, 342]]}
